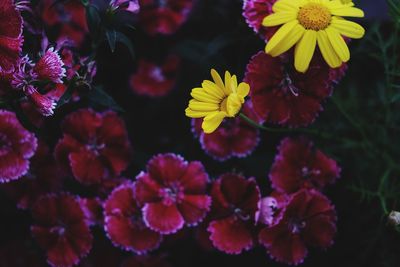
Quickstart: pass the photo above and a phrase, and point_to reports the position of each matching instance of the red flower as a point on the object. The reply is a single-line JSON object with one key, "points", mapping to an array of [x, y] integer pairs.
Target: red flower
{"points": [[300, 165], [284, 96], [124, 223], [254, 12], [10, 34], [155, 80], [234, 138], [68, 17], [43, 177], [94, 145], [61, 230], [17, 146], [146, 261], [173, 193], [308, 220], [235, 203], [163, 17], [50, 67]]}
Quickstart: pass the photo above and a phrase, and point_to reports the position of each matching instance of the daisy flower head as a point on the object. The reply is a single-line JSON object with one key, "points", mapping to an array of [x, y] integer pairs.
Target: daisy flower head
{"points": [[216, 100], [308, 23]]}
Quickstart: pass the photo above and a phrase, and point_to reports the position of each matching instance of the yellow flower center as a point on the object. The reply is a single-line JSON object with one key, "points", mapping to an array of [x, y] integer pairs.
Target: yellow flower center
{"points": [[313, 16]]}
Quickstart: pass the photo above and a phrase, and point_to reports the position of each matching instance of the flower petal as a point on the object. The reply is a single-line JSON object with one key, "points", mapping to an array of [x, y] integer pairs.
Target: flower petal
{"points": [[346, 11], [202, 106], [279, 36], [201, 95], [212, 121], [305, 50], [196, 114], [243, 89], [291, 39], [217, 79], [327, 50], [338, 44], [162, 218], [348, 28], [285, 6], [278, 18]]}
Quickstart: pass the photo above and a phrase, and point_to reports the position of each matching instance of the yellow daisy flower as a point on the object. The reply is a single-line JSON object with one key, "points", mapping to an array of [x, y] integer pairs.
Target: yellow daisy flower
{"points": [[217, 100], [306, 23]]}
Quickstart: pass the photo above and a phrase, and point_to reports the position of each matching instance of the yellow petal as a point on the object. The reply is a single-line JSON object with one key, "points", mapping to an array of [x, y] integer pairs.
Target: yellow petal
{"points": [[201, 95], [327, 50], [202, 106], [339, 9], [213, 89], [234, 83], [217, 79], [195, 114], [338, 44], [305, 50], [288, 41], [286, 5], [347, 28], [212, 121], [278, 18], [228, 89], [243, 89], [280, 35], [233, 105]]}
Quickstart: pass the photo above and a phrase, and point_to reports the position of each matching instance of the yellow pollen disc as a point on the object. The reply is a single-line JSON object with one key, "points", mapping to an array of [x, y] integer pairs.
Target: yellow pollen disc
{"points": [[313, 16]]}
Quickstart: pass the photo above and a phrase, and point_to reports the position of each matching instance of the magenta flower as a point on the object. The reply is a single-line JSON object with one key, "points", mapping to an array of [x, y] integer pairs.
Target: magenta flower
{"points": [[235, 203], [95, 146], [300, 165], [93, 210], [309, 219], [155, 80], [10, 34], [283, 96], [124, 224], [50, 67], [127, 5], [163, 17], [234, 138], [60, 229], [173, 193], [17, 146]]}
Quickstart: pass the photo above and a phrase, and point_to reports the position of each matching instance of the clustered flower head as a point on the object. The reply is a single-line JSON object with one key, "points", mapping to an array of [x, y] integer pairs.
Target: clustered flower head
{"points": [[217, 100], [306, 24]]}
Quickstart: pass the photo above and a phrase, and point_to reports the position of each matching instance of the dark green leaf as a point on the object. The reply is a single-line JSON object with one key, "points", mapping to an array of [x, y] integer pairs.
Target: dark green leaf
{"points": [[99, 96], [111, 39], [93, 20], [123, 39]]}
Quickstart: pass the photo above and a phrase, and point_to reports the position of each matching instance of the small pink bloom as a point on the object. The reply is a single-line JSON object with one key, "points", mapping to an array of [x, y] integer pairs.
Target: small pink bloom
{"points": [[124, 224], [128, 5], [155, 80], [234, 138], [163, 16], [95, 146], [173, 193], [309, 219], [283, 96], [17, 146], [11, 38], [60, 229], [44, 104], [50, 67], [235, 203], [299, 164]]}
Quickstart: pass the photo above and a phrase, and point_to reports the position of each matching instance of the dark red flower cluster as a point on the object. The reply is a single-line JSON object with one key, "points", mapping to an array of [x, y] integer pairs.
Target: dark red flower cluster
{"points": [[163, 16]]}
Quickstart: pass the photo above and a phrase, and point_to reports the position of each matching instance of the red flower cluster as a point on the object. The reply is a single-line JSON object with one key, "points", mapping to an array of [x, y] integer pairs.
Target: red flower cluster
{"points": [[94, 147], [155, 80], [165, 16]]}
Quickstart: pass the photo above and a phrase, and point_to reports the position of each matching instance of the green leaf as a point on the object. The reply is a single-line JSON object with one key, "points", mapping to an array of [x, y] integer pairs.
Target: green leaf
{"points": [[99, 96], [85, 2], [111, 39], [123, 39], [93, 20], [66, 97]]}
